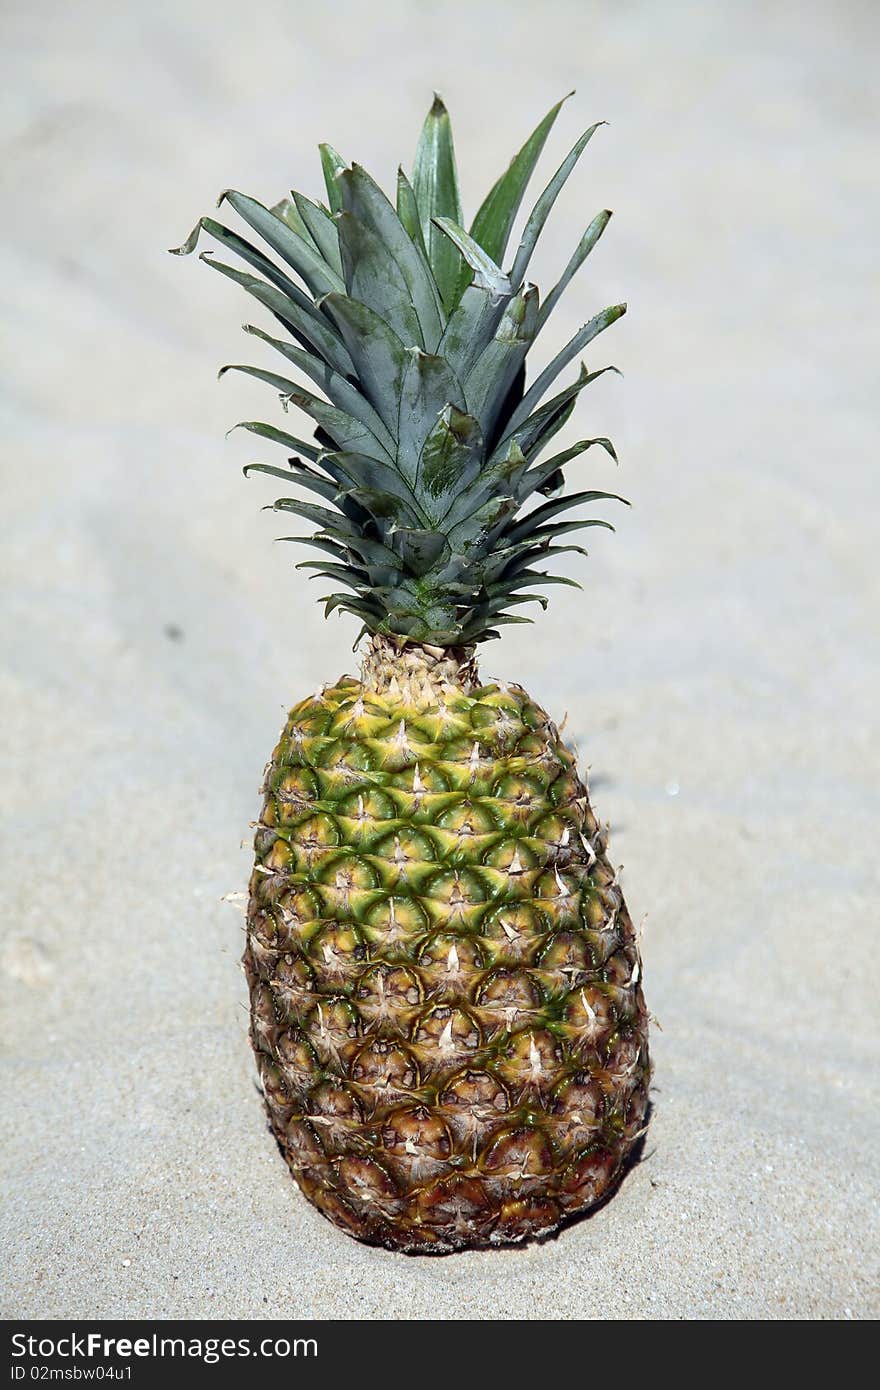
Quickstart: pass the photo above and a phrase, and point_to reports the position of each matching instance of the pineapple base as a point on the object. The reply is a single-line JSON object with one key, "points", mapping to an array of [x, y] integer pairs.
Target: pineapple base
{"points": [[446, 1006]]}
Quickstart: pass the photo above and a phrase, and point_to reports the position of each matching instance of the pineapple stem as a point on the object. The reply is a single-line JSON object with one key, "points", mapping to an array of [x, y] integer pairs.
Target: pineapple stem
{"points": [[419, 672]]}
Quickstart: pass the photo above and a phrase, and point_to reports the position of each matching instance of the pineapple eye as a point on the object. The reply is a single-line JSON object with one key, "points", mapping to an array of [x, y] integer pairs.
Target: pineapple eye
{"points": [[406, 847], [468, 818], [386, 1067], [458, 891], [417, 1133], [347, 873], [311, 840], [396, 918], [448, 1036], [513, 857], [367, 804], [567, 956], [387, 995]]}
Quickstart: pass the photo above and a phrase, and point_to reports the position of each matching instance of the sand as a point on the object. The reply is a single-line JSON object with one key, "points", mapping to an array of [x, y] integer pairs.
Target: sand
{"points": [[716, 670]]}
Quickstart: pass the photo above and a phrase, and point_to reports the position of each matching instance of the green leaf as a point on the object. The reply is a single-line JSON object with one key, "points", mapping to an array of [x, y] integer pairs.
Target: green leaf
{"points": [[362, 196], [318, 275], [541, 210], [331, 164], [509, 586], [472, 326], [585, 335], [562, 528], [338, 388], [289, 441], [288, 212], [435, 184], [369, 475], [476, 529], [375, 279], [318, 543], [379, 356], [248, 252], [478, 632], [488, 273], [492, 224], [374, 552], [360, 608], [541, 515], [534, 433], [322, 486], [322, 229], [331, 522], [451, 455], [512, 559], [495, 369], [408, 212], [494, 479], [429, 384], [343, 429], [303, 312], [584, 247], [344, 571], [419, 549], [311, 327], [536, 477], [339, 575]]}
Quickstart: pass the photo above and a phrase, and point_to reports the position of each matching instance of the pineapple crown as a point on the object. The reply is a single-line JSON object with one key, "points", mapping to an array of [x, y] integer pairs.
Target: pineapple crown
{"points": [[427, 439]]}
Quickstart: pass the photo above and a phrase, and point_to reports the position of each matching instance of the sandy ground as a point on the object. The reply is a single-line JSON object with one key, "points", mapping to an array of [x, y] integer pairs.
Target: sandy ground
{"points": [[718, 682]]}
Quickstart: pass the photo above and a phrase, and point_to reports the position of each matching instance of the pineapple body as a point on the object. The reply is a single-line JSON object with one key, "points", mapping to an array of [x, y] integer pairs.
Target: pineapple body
{"points": [[445, 983]]}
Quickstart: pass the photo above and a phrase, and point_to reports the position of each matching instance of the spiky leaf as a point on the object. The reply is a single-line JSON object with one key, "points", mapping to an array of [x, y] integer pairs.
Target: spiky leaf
{"points": [[435, 185]]}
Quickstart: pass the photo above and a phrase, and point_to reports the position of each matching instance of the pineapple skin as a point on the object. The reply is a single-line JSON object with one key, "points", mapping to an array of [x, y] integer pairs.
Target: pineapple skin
{"points": [[446, 1007]]}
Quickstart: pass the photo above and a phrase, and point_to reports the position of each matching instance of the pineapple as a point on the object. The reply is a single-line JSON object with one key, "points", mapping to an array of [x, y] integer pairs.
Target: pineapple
{"points": [[446, 1006]]}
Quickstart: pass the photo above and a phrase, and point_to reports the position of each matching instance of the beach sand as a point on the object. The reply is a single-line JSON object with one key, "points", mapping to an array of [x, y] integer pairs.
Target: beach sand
{"points": [[715, 670]]}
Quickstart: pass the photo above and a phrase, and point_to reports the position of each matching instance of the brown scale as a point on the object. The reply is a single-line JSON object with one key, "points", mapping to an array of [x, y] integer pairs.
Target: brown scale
{"points": [[445, 1038], [517, 1163], [265, 1026], [636, 1109], [451, 965], [387, 998], [417, 1143], [264, 948], [474, 1105], [337, 1116], [333, 1029], [514, 934], [587, 1178], [296, 1061], [279, 1100], [588, 1018], [521, 1217], [530, 1064], [625, 1063], [268, 885], [303, 1145], [386, 1072], [369, 1187], [336, 954], [507, 1000], [454, 1212], [445, 984], [576, 1113], [293, 985]]}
